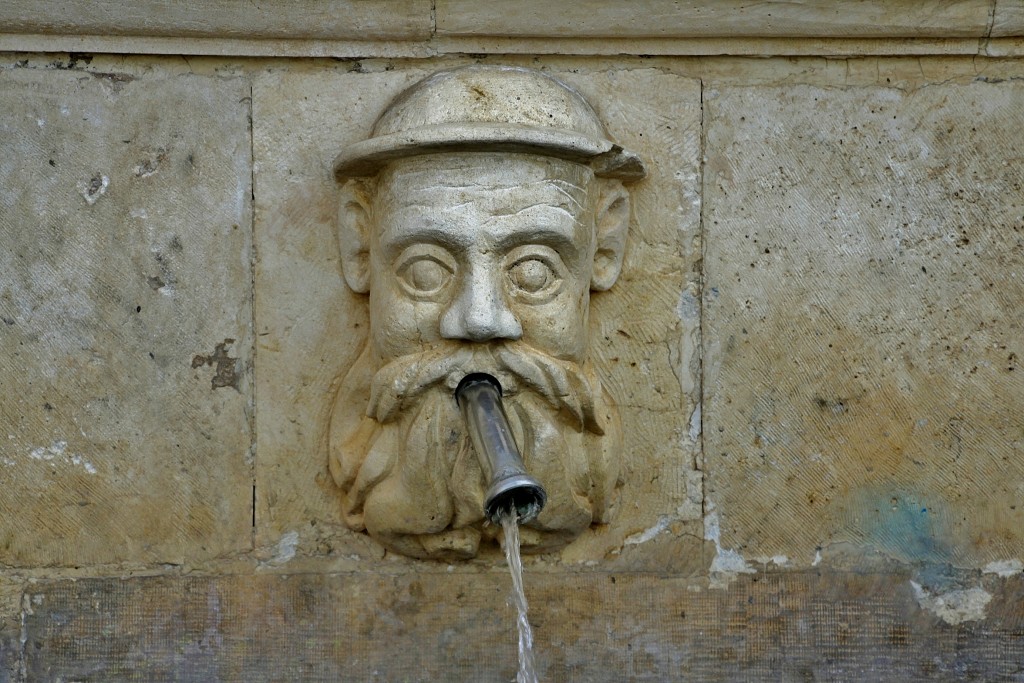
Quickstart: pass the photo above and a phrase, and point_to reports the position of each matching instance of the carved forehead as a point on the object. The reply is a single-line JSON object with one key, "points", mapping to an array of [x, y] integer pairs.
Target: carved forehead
{"points": [[435, 181]]}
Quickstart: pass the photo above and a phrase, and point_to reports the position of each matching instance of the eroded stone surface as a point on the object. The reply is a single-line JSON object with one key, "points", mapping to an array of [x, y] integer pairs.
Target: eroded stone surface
{"points": [[863, 336], [125, 304], [10, 629], [310, 328], [791, 626]]}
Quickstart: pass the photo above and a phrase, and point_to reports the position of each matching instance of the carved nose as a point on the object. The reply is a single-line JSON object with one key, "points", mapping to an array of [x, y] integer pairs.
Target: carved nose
{"points": [[479, 313]]}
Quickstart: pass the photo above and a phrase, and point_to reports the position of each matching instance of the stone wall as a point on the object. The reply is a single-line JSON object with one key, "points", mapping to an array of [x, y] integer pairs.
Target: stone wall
{"points": [[815, 347]]}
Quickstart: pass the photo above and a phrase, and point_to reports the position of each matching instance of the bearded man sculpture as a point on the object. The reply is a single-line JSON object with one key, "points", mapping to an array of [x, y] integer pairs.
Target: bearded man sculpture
{"points": [[479, 215]]}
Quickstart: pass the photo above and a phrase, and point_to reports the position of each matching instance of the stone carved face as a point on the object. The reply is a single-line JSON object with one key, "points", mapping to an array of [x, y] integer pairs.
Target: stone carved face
{"points": [[480, 248], [478, 260]]}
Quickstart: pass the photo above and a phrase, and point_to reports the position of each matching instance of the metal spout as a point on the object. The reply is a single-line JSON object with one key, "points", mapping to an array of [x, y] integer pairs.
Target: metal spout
{"points": [[511, 488]]}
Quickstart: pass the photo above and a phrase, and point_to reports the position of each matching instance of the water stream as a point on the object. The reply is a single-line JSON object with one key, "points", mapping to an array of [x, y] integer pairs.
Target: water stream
{"points": [[527, 672]]}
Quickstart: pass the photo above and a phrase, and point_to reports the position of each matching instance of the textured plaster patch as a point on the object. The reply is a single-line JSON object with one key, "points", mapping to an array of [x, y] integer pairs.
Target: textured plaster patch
{"points": [[953, 607], [285, 549], [695, 424], [1004, 568], [727, 563], [57, 451], [650, 533]]}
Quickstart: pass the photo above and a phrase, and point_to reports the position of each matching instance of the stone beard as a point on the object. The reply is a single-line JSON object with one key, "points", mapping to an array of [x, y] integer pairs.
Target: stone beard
{"points": [[409, 475]]}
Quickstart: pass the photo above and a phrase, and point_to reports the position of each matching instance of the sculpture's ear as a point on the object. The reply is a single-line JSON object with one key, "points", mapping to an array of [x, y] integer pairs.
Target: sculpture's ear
{"points": [[612, 222], [354, 233]]}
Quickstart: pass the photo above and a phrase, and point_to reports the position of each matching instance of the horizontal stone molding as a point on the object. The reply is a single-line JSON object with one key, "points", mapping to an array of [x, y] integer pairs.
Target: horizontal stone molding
{"points": [[419, 28], [447, 45], [322, 19], [720, 19]]}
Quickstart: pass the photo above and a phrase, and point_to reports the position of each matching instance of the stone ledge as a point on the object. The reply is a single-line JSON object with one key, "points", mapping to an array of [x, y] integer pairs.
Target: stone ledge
{"points": [[417, 19], [225, 19], [777, 626], [419, 28], [489, 45], [720, 19]]}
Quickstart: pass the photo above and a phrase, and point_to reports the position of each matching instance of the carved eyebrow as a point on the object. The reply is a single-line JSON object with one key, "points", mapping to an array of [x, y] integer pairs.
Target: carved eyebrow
{"points": [[549, 237], [456, 241], [434, 234]]}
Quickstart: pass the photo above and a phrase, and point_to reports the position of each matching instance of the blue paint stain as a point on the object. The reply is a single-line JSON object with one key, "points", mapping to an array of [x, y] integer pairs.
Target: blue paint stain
{"points": [[904, 525]]}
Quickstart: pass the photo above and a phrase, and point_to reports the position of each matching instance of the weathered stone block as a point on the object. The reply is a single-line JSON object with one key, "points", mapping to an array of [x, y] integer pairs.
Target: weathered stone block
{"points": [[10, 629], [125, 304], [440, 626], [862, 330], [311, 328]]}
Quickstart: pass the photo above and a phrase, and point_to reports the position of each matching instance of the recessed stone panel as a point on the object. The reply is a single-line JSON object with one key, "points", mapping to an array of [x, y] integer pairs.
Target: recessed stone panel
{"points": [[588, 627], [311, 327], [124, 318], [862, 331]]}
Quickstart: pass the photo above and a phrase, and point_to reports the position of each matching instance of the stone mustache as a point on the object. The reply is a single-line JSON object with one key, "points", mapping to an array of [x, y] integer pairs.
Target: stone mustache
{"points": [[478, 217]]}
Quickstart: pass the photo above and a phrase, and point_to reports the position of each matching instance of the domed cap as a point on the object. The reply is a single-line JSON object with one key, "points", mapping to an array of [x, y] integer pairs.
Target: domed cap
{"points": [[490, 108]]}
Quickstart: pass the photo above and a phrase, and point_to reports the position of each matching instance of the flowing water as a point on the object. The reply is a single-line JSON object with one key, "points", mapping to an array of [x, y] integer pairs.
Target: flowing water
{"points": [[510, 524]]}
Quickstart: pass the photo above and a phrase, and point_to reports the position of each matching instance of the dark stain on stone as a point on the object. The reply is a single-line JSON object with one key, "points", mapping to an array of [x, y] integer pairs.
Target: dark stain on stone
{"points": [[95, 184], [149, 166], [7, 320], [117, 80], [835, 405], [75, 57], [155, 282], [225, 367]]}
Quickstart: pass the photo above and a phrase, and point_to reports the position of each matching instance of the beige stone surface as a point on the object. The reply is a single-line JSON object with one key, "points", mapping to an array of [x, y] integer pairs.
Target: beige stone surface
{"points": [[310, 328], [125, 306], [1008, 19], [734, 18], [359, 19], [862, 324]]}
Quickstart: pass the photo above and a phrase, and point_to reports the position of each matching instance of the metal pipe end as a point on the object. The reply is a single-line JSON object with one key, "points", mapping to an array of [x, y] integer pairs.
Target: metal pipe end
{"points": [[476, 378], [521, 494], [512, 490]]}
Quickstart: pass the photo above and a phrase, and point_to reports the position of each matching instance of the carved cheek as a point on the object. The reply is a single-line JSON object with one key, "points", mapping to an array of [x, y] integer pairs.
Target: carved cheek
{"points": [[558, 327], [401, 324]]}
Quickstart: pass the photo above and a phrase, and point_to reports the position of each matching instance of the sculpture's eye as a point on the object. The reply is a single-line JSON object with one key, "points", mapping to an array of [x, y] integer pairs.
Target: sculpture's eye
{"points": [[531, 276], [535, 274], [425, 271]]}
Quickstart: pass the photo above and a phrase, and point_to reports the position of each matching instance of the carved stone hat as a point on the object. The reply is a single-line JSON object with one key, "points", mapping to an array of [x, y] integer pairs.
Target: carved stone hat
{"points": [[490, 108]]}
